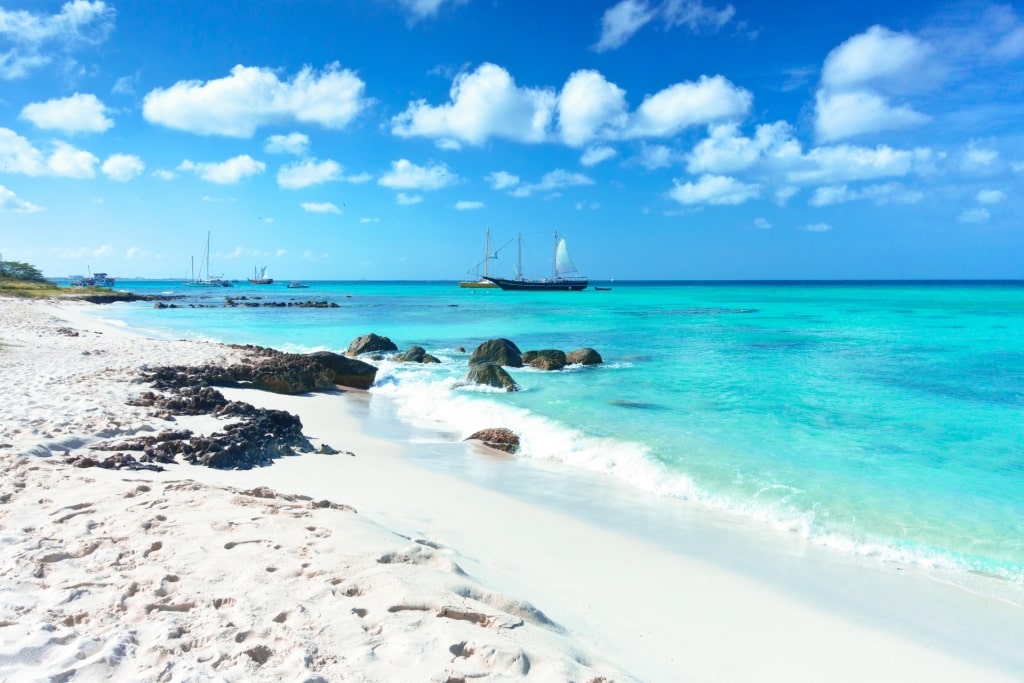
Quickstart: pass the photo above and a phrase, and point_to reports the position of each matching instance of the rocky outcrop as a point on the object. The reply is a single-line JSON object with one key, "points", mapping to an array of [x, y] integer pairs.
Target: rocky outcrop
{"points": [[416, 354], [500, 351], [490, 374], [545, 359], [584, 356], [499, 438], [370, 343], [348, 372]]}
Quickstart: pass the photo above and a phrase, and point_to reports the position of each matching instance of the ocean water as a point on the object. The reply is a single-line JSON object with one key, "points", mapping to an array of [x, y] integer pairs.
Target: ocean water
{"points": [[882, 419]]}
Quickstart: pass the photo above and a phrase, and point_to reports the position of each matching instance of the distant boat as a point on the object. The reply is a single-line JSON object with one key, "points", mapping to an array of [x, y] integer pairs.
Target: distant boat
{"points": [[483, 282], [260, 277], [295, 284], [94, 280], [208, 281], [602, 289], [563, 274]]}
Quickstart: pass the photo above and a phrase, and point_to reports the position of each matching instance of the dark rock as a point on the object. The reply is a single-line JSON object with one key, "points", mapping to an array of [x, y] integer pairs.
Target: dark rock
{"points": [[584, 356], [500, 351], [490, 374], [416, 354], [326, 450], [460, 349], [499, 438], [545, 359], [370, 343], [348, 372]]}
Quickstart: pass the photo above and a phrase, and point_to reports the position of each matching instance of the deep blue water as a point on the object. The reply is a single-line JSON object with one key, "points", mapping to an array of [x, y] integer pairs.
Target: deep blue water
{"points": [[885, 419]]}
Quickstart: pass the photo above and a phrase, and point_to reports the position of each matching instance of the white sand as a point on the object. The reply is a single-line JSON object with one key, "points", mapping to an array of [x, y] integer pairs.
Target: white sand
{"points": [[180, 576]]}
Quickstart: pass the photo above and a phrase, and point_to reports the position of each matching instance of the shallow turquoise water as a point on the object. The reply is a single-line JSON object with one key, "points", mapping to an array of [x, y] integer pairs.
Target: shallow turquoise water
{"points": [[884, 419]]}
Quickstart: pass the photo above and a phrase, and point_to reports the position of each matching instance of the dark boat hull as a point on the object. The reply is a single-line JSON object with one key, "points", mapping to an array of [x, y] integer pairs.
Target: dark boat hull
{"points": [[567, 285]]}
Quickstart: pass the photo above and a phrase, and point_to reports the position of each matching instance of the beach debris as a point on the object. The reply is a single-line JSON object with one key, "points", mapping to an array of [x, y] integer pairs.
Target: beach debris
{"points": [[490, 374], [370, 343], [584, 356], [499, 351], [499, 438], [416, 354], [545, 359]]}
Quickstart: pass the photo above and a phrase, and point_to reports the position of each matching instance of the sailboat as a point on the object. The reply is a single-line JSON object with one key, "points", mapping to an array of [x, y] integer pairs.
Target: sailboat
{"points": [[564, 277], [260, 277], [483, 282], [207, 281]]}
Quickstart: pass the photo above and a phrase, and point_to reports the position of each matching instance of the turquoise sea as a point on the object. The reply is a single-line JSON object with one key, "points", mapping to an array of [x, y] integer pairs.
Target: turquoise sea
{"points": [[885, 420]]}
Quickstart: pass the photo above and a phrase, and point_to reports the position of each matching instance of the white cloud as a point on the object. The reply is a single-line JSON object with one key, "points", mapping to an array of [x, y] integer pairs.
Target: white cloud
{"points": [[71, 162], [225, 172], [122, 167], [843, 163], [887, 193], [408, 200], [369, 220], [877, 57], [847, 114], [624, 19], [590, 107], [714, 189], [309, 172], [596, 155], [554, 180], [979, 159], [320, 207], [132, 253], [82, 252], [36, 38], [762, 223], [468, 205], [990, 196], [423, 9], [405, 175], [75, 114], [9, 201], [620, 22], [280, 252], [817, 227], [726, 151], [977, 215], [502, 180], [237, 105], [164, 174], [689, 104], [358, 178], [483, 104], [654, 157], [293, 143], [785, 193]]}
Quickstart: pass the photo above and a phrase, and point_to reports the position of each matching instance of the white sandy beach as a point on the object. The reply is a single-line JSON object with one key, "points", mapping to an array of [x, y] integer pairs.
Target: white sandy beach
{"points": [[411, 573]]}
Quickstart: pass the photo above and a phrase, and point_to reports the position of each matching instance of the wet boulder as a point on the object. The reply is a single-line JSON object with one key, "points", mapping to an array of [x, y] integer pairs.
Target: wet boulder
{"points": [[584, 356], [545, 359], [370, 343], [490, 374], [499, 351], [499, 438], [348, 372], [416, 354]]}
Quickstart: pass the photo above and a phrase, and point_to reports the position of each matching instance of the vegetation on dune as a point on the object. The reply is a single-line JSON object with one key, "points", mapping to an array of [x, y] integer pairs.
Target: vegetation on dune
{"points": [[23, 280]]}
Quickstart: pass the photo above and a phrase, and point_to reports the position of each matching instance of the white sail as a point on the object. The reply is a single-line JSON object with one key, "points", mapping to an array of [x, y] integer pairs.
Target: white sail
{"points": [[563, 263]]}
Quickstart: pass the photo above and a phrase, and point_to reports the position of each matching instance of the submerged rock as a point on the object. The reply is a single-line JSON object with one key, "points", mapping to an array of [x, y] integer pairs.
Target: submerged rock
{"points": [[416, 354], [545, 359]]}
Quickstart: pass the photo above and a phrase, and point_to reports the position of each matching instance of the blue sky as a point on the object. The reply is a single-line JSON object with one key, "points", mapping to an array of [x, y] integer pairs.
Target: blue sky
{"points": [[378, 139]]}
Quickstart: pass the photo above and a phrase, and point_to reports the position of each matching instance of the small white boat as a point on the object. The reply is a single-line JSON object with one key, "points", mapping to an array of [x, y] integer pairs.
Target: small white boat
{"points": [[295, 284]]}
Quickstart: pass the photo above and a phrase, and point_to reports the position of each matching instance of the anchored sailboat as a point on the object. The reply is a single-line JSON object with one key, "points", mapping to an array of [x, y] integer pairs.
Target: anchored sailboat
{"points": [[259, 277], [483, 282], [564, 276], [208, 281]]}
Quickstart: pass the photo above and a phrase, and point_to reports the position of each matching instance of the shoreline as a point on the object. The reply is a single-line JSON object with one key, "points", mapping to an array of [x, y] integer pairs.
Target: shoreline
{"points": [[719, 602]]}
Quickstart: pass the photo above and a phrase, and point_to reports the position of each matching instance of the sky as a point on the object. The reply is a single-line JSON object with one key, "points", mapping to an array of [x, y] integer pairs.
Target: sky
{"points": [[380, 139]]}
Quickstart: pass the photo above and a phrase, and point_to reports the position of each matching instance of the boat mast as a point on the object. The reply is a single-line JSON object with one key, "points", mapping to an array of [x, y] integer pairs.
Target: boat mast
{"points": [[554, 259], [519, 262], [487, 250]]}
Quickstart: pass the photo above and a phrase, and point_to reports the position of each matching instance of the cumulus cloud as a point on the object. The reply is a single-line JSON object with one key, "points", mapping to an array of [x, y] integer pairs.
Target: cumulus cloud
{"points": [[714, 189], [225, 172], [468, 205], [848, 114], [407, 199], [237, 105], [75, 114], [484, 103], [164, 174], [682, 105], [886, 193], [308, 172], [320, 207], [70, 162], [595, 155], [551, 182], [621, 21], [978, 159], [502, 180], [293, 143], [424, 9], [9, 201], [654, 157], [405, 175], [976, 215], [36, 38], [817, 227], [762, 223], [844, 163], [590, 107], [990, 196], [122, 167], [725, 150]]}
